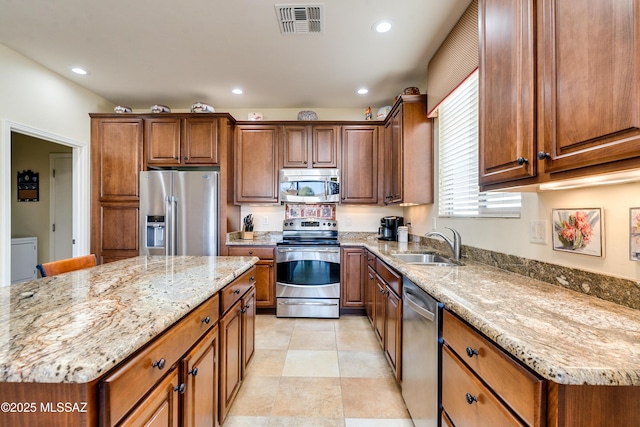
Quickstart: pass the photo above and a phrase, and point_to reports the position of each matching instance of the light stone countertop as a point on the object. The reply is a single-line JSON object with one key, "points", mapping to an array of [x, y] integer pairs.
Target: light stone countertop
{"points": [[565, 336], [74, 327]]}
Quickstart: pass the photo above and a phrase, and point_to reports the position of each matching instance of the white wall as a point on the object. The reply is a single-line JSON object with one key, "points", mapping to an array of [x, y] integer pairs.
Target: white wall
{"points": [[511, 236], [40, 103]]}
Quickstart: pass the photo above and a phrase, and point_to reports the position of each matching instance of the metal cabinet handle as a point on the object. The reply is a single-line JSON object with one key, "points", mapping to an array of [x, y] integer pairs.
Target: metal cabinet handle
{"points": [[521, 161], [471, 352], [252, 279], [186, 158], [206, 320], [193, 371], [159, 363], [542, 155], [180, 389], [470, 398], [236, 291]]}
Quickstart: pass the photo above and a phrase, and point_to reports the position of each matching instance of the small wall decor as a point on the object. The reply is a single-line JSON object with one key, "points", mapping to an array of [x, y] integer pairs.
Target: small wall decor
{"points": [[28, 186], [578, 230], [634, 234]]}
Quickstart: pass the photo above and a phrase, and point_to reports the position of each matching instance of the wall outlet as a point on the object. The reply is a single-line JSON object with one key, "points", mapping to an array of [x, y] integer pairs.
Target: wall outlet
{"points": [[538, 232], [265, 220], [434, 223]]}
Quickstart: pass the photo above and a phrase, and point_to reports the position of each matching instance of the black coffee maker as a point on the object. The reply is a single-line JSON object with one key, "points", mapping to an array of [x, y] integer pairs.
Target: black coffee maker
{"points": [[389, 227]]}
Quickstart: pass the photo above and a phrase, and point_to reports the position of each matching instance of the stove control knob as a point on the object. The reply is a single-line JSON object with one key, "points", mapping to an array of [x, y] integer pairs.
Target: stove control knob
{"points": [[334, 224]]}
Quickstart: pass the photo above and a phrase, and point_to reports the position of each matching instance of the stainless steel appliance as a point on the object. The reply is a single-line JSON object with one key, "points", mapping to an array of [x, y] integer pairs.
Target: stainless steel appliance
{"points": [[389, 227], [309, 186], [308, 269], [420, 354], [179, 213]]}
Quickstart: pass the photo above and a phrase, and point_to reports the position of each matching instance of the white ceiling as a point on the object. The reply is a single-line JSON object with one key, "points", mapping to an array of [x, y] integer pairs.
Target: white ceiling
{"points": [[173, 52]]}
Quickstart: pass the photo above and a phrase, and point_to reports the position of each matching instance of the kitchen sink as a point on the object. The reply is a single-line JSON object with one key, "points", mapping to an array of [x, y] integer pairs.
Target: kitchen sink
{"points": [[426, 259]]}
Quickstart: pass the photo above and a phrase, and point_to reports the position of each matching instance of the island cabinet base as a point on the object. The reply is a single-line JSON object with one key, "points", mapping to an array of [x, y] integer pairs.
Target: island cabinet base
{"points": [[593, 406], [54, 405]]}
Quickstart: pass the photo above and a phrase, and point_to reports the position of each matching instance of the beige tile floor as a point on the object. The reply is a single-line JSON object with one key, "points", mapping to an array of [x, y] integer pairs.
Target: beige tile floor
{"points": [[318, 373]]}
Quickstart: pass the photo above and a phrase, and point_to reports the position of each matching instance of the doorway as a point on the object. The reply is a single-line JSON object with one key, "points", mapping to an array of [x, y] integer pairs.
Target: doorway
{"points": [[80, 193]]}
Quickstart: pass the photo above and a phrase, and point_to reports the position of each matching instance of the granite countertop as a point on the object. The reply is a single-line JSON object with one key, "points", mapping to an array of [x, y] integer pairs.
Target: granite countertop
{"points": [[75, 327], [565, 336]]}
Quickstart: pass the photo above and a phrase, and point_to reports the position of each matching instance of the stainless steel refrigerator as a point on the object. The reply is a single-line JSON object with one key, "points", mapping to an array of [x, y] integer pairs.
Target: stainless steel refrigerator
{"points": [[179, 212]]}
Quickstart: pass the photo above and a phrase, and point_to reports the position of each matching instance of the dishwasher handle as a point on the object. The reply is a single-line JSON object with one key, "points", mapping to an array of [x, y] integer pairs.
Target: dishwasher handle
{"points": [[422, 311]]}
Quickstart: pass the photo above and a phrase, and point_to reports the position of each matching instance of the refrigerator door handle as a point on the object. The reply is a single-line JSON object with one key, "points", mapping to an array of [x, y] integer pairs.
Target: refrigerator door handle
{"points": [[170, 247], [174, 225]]}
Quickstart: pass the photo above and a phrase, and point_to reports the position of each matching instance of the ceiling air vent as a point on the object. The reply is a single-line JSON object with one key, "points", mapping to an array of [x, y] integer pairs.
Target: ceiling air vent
{"points": [[300, 19]]}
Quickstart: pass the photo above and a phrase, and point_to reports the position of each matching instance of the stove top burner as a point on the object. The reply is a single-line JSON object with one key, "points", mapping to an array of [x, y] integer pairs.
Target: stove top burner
{"points": [[309, 242], [309, 232]]}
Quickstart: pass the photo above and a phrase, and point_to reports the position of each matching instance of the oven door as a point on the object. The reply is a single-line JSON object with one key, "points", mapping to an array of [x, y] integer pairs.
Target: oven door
{"points": [[308, 271]]}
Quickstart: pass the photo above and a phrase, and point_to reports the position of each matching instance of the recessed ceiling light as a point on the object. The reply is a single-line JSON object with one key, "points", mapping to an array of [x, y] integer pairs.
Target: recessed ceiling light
{"points": [[363, 91], [79, 70], [237, 91], [382, 26]]}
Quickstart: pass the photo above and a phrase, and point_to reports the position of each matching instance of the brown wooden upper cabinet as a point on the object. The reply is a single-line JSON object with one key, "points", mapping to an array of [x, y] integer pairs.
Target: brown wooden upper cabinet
{"points": [[507, 91], [359, 171], [174, 141], [408, 148], [310, 146], [568, 109], [116, 161], [256, 163]]}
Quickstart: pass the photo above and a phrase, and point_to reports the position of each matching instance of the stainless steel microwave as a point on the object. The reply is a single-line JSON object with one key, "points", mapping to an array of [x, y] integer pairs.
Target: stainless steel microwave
{"points": [[309, 186]]}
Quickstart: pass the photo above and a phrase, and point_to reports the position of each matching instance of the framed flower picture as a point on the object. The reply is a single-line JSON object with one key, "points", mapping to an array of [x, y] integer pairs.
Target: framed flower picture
{"points": [[634, 234], [578, 231]]}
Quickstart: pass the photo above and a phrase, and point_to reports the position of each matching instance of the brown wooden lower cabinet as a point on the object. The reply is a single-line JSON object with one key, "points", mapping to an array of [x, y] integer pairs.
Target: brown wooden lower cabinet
{"points": [[265, 272], [160, 407], [383, 306], [199, 369], [352, 274], [237, 344]]}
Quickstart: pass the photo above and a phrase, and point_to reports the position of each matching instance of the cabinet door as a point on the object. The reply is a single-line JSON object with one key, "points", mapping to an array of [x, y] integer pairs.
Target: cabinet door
{"points": [[295, 147], [393, 331], [324, 146], [353, 266], [393, 153], [114, 233], [230, 358], [162, 141], [160, 407], [507, 91], [116, 159], [199, 370], [379, 306], [369, 292], [248, 328], [256, 160], [359, 165], [590, 91], [266, 284], [200, 142]]}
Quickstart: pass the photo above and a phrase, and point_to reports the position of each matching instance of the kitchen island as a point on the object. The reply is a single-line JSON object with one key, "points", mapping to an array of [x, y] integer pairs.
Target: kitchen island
{"points": [[62, 335]]}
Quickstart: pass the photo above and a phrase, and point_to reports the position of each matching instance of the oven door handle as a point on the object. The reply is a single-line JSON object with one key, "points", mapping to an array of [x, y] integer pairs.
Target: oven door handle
{"points": [[308, 249], [330, 304]]}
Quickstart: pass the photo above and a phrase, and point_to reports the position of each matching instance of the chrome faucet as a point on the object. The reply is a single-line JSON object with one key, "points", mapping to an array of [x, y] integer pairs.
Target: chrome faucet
{"points": [[455, 245]]}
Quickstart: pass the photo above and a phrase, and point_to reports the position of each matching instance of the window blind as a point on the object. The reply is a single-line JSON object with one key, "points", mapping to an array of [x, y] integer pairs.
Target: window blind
{"points": [[459, 194]]}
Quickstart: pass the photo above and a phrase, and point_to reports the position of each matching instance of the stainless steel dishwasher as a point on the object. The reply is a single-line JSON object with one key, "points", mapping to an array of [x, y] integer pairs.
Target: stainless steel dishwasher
{"points": [[420, 354]]}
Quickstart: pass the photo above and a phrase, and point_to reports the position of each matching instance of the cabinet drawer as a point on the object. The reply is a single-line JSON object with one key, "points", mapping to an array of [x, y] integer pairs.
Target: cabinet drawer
{"points": [[393, 279], [260, 252], [233, 292], [121, 390], [518, 387], [467, 401], [371, 259]]}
